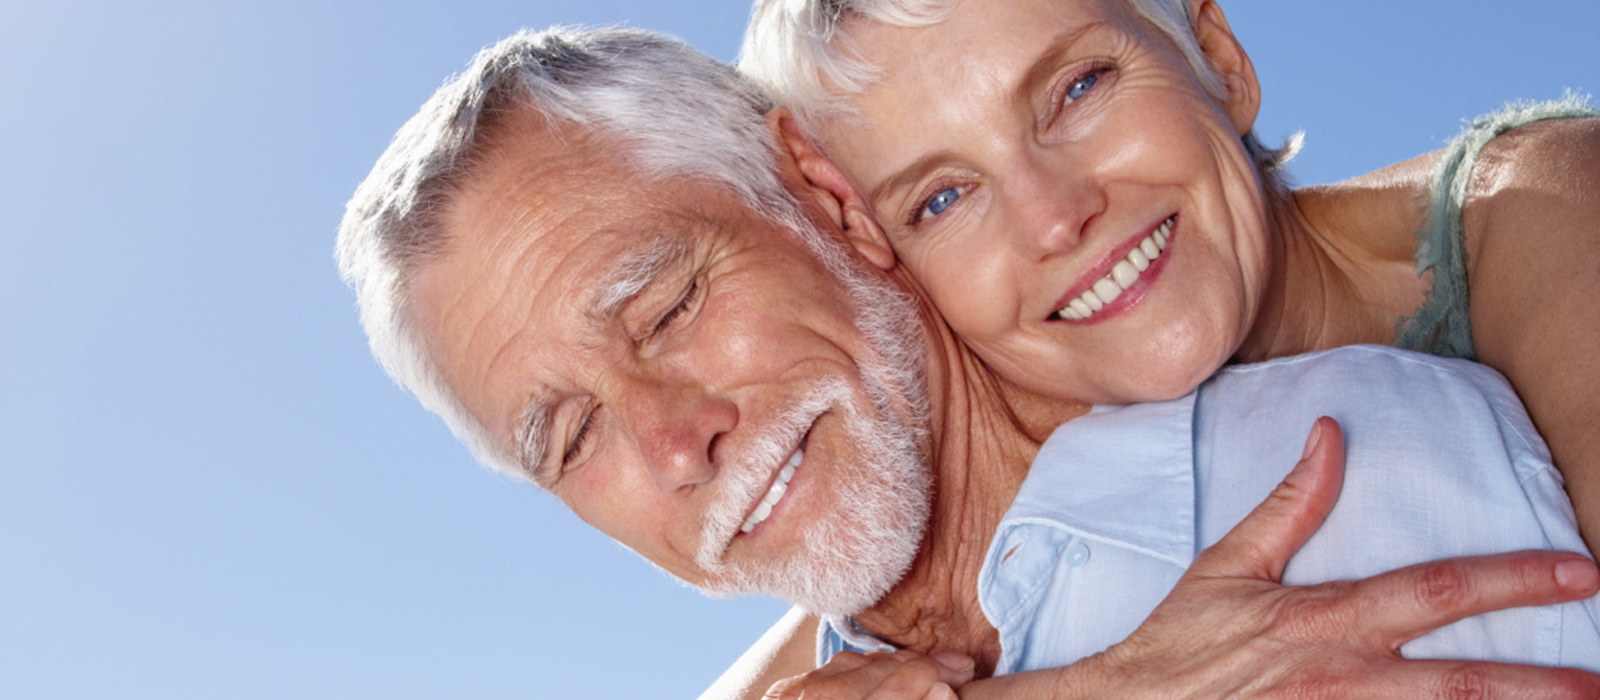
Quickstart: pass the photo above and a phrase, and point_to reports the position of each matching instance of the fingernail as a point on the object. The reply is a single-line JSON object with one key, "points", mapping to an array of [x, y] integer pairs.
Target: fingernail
{"points": [[1577, 575], [942, 691], [1311, 442], [960, 663]]}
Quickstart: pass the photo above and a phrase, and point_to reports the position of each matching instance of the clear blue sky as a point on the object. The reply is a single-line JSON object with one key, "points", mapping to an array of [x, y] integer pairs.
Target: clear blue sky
{"points": [[209, 490]]}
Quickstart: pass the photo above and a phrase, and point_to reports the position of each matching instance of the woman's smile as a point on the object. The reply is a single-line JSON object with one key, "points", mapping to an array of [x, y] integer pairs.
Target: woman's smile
{"points": [[1142, 262]]}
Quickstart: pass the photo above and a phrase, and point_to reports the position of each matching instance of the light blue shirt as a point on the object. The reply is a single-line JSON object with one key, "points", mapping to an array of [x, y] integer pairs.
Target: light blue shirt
{"points": [[1442, 461]]}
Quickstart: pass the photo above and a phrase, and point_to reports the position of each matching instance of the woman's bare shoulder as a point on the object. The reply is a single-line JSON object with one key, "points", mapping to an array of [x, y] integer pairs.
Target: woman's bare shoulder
{"points": [[1559, 157], [1533, 259]]}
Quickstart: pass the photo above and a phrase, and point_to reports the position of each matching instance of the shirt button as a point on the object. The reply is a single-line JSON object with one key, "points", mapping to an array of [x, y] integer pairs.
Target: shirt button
{"points": [[1077, 554]]}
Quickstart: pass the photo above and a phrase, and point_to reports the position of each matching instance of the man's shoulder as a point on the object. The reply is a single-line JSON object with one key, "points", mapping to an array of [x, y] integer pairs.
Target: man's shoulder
{"points": [[1386, 398], [1362, 372]]}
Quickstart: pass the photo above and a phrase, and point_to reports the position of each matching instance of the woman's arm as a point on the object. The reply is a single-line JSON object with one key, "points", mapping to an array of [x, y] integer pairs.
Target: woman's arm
{"points": [[1229, 630], [1532, 224]]}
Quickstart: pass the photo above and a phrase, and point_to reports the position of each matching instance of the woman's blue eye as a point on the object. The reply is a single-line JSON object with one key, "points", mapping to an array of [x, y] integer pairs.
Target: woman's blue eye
{"points": [[1082, 86], [941, 201]]}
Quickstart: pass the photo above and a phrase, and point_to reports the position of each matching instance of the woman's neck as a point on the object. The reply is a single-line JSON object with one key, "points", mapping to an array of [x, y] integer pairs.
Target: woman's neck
{"points": [[1343, 269]]}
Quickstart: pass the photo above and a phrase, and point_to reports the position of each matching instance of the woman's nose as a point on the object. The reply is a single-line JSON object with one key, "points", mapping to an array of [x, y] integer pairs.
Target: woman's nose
{"points": [[1051, 206]]}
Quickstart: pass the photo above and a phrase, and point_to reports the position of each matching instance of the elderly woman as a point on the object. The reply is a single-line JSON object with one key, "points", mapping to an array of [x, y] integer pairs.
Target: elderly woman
{"points": [[1077, 185], [1013, 155]]}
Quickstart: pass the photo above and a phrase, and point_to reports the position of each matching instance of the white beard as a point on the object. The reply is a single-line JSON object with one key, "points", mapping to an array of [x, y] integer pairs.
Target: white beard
{"points": [[851, 559]]}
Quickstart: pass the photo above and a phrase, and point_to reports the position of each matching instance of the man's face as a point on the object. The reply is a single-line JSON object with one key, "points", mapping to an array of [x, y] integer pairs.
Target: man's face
{"points": [[662, 357]]}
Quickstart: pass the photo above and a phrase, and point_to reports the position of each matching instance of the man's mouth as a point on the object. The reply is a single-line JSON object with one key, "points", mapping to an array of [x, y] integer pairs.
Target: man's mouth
{"points": [[779, 487], [1121, 277]]}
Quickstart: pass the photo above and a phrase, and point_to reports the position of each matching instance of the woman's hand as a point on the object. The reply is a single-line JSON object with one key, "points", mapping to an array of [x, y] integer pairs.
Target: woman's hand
{"points": [[1228, 629]]}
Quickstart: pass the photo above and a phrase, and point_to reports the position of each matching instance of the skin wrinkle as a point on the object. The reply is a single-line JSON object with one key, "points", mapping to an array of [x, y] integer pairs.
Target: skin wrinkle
{"points": [[1307, 306], [1041, 69], [526, 220], [973, 500], [627, 278]]}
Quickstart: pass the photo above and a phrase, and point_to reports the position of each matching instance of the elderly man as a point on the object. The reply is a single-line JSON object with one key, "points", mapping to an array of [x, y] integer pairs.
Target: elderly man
{"points": [[582, 254]]}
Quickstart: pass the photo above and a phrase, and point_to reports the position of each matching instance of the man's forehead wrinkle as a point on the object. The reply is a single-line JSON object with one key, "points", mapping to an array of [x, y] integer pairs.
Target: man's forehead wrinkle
{"points": [[497, 277]]}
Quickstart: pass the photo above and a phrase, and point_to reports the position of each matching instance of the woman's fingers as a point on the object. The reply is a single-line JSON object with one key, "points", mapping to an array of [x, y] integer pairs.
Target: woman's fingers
{"points": [[1261, 544], [1407, 603], [1439, 680]]}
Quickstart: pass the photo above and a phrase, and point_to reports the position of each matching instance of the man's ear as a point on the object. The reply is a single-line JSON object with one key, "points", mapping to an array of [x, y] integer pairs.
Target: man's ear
{"points": [[1229, 60], [821, 182]]}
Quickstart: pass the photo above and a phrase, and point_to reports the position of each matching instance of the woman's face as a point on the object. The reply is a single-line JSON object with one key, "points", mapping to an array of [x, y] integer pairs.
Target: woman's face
{"points": [[1083, 214]]}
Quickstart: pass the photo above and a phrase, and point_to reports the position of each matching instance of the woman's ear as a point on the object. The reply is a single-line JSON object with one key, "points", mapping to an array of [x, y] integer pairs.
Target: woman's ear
{"points": [[1229, 60], [816, 180]]}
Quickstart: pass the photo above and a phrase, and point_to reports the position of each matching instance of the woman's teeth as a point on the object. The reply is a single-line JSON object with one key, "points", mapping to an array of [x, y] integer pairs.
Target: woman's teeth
{"points": [[1122, 276], [779, 487]]}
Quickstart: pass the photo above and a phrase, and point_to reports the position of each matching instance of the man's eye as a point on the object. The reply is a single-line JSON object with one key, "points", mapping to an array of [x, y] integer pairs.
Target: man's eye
{"points": [[684, 303], [575, 445], [937, 204]]}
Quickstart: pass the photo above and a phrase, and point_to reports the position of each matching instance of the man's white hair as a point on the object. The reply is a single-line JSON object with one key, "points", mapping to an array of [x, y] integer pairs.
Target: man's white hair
{"points": [[797, 49], [666, 109]]}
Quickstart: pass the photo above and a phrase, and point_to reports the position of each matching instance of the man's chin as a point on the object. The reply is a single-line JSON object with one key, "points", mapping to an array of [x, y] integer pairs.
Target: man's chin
{"points": [[850, 561], [840, 572]]}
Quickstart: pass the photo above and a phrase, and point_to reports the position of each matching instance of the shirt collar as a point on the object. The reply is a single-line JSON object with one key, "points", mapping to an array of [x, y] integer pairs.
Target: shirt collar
{"points": [[1121, 474]]}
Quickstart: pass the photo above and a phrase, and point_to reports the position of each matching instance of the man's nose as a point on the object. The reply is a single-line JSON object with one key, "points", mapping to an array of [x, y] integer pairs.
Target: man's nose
{"points": [[677, 426], [1050, 204]]}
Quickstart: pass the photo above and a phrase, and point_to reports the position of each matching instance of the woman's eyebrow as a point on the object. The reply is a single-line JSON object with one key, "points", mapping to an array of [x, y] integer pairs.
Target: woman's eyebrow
{"points": [[1044, 66], [908, 175], [1039, 72]]}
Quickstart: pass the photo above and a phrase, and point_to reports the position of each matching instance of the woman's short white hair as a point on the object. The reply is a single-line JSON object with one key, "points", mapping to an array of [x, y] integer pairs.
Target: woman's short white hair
{"points": [[797, 50], [667, 109]]}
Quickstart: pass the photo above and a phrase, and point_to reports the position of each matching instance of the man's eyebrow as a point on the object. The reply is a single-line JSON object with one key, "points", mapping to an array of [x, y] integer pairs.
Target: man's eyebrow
{"points": [[533, 435], [630, 274]]}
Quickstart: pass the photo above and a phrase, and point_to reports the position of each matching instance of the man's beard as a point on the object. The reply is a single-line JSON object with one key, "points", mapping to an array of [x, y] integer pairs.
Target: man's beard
{"points": [[851, 558]]}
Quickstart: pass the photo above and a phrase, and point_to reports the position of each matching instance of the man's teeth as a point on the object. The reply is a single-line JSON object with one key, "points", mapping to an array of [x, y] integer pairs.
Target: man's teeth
{"points": [[780, 486], [1122, 276]]}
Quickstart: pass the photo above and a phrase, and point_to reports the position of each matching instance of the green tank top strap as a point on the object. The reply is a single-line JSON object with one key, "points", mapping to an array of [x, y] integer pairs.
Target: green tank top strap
{"points": [[1442, 325]]}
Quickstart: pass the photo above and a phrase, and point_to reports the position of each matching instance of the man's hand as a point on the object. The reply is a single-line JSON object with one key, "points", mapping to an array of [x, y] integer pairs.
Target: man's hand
{"points": [[903, 675], [1228, 629]]}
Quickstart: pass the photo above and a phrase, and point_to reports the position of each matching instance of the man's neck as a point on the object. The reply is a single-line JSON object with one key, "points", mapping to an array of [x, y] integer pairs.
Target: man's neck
{"points": [[985, 434]]}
